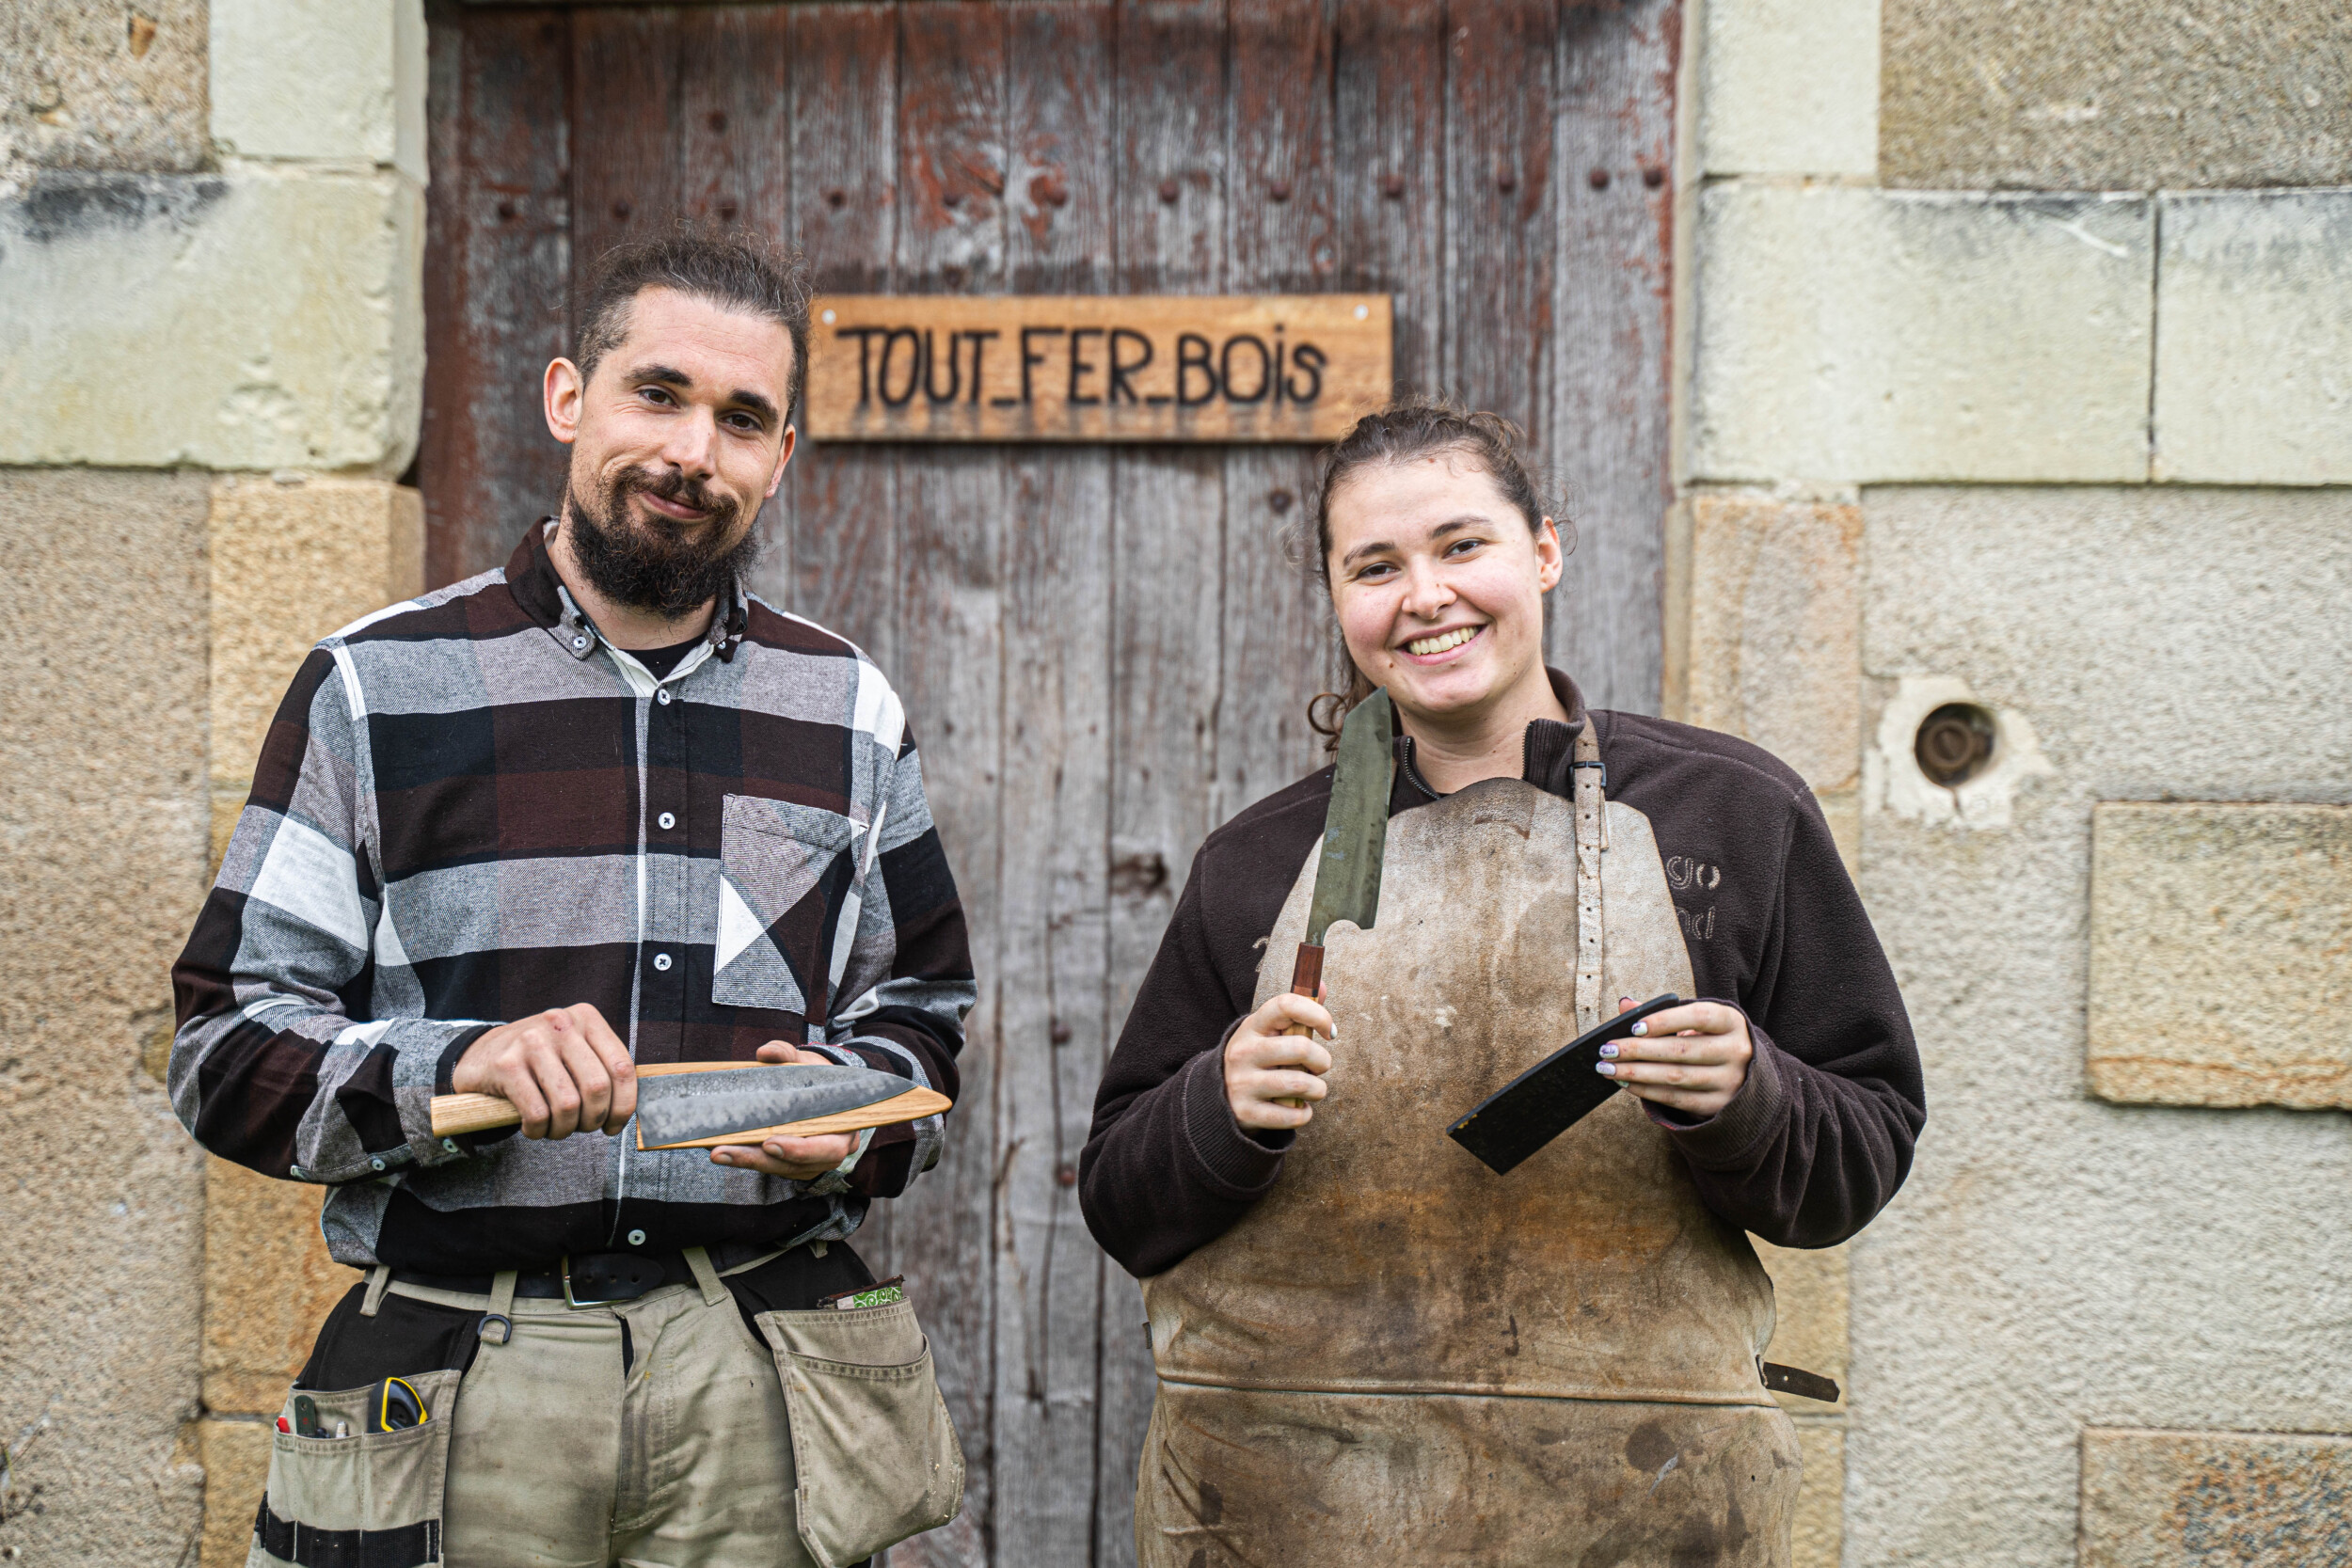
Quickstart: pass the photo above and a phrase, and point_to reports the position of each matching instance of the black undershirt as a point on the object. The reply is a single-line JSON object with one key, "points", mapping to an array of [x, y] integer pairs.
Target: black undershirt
{"points": [[663, 660]]}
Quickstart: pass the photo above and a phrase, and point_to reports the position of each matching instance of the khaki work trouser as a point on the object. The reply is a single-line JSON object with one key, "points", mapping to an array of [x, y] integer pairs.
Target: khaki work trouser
{"points": [[558, 1456]]}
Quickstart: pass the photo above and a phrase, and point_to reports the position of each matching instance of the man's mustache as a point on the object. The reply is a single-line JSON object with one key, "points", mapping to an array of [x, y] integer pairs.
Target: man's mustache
{"points": [[677, 488]]}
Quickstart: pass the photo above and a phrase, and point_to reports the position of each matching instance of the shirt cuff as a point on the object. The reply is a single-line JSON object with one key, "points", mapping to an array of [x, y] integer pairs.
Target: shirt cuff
{"points": [[444, 1070], [1236, 1163], [1728, 1139]]}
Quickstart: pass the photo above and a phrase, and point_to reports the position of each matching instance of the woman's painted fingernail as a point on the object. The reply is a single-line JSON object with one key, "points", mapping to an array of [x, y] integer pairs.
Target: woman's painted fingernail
{"points": [[1608, 1050], [1625, 1002], [1607, 1069], [1641, 1028]]}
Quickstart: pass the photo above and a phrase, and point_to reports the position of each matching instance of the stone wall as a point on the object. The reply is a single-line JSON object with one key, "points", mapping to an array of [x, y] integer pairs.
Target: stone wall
{"points": [[2022, 390], [211, 232]]}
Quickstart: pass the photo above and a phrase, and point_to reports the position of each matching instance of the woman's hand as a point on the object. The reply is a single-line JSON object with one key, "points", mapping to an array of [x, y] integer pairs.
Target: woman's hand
{"points": [[1265, 1066], [800, 1159], [1691, 1058]]}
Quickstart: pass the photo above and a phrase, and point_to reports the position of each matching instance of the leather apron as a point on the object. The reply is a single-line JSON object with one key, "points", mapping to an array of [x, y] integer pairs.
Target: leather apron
{"points": [[1398, 1356]]}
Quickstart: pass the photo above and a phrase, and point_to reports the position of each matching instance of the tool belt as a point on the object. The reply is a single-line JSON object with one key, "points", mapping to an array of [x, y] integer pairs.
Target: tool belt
{"points": [[590, 1278]]}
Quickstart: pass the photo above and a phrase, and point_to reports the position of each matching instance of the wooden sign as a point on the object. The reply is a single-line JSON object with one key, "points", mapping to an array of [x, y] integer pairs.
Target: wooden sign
{"points": [[1095, 367]]}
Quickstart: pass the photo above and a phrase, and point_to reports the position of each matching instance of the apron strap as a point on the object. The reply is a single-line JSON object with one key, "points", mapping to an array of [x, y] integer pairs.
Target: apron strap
{"points": [[1592, 837], [379, 1278], [698, 1260]]}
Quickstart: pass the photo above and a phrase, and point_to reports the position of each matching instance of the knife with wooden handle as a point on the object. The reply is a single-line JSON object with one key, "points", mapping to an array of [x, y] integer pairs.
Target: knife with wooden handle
{"points": [[1355, 840], [705, 1104]]}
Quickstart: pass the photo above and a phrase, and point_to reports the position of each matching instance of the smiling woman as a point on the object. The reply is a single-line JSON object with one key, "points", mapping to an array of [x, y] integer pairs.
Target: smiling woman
{"points": [[1317, 1258]]}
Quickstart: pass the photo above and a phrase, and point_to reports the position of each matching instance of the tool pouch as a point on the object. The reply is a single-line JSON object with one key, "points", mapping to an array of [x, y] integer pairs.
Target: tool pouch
{"points": [[372, 1499], [874, 1455]]}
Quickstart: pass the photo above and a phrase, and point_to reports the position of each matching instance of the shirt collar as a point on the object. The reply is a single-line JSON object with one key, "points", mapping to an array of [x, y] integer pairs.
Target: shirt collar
{"points": [[1548, 748], [538, 588]]}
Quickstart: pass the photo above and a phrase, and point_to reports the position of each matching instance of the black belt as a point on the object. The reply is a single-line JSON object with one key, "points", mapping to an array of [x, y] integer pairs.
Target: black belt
{"points": [[581, 1278]]}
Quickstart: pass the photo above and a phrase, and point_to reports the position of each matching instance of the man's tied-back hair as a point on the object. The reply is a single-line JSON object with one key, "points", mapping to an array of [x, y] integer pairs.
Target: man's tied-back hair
{"points": [[732, 269], [1407, 429]]}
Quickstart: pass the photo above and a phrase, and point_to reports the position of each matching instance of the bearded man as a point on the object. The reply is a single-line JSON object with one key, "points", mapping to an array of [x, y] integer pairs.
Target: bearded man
{"points": [[597, 810]]}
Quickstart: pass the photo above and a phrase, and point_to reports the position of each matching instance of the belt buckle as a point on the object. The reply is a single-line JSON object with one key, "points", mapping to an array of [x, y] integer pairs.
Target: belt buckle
{"points": [[570, 1300]]}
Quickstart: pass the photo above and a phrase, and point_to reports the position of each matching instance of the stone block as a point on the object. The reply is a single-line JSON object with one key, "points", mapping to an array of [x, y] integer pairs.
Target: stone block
{"points": [[268, 1285], [2231, 1499], [1774, 628], [1845, 336], [292, 562], [321, 79], [2221, 954], [1787, 88], [2115, 94], [1819, 1538], [258, 320], [91, 86], [237, 1473], [2253, 335], [1812, 1298]]}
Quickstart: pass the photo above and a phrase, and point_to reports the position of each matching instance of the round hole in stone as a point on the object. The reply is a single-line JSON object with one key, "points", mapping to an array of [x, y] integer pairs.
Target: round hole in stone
{"points": [[1954, 743]]}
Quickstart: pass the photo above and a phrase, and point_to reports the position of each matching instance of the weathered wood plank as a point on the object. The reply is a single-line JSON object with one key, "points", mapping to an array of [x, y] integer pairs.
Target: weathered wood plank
{"points": [[1610, 375], [843, 65], [498, 257], [1282, 227], [625, 167], [734, 162], [1389, 127], [1167, 520], [1498, 225], [1268, 367], [952, 528], [1054, 1016]]}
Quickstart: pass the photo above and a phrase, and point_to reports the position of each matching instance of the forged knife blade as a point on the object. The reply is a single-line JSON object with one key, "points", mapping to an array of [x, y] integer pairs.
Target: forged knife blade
{"points": [[1355, 837], [683, 1108]]}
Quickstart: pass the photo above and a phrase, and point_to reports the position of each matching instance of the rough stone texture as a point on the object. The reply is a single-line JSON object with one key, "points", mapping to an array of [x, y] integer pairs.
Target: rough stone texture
{"points": [[2253, 335], [101, 852], [260, 320], [268, 1284], [2056, 1262], [1775, 615], [1845, 335], [2116, 94], [236, 1472], [2216, 1499], [292, 562], [2221, 954], [1788, 88], [77, 89], [325, 79], [1817, 1539]]}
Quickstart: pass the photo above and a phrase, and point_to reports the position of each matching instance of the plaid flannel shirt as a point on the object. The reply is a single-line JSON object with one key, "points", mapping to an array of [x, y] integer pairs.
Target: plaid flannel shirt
{"points": [[470, 808]]}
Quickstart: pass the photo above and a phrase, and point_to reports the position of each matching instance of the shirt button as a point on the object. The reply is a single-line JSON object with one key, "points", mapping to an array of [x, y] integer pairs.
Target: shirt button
{"points": [[663, 696], [661, 960], [667, 822], [450, 1144], [376, 1163], [580, 642], [294, 1171], [637, 1237]]}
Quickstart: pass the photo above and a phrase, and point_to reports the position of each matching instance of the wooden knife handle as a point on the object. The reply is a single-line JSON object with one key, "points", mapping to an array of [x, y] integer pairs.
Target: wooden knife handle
{"points": [[454, 1113], [1307, 981]]}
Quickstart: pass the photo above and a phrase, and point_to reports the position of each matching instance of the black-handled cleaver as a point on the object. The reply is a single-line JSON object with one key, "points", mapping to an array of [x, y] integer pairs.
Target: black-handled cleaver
{"points": [[1548, 1098]]}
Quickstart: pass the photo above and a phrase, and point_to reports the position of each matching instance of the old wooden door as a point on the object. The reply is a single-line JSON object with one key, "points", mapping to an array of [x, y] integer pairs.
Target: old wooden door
{"points": [[1104, 653]]}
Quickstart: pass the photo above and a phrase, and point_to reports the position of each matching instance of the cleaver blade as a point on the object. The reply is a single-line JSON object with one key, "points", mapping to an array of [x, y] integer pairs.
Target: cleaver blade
{"points": [[677, 1108]]}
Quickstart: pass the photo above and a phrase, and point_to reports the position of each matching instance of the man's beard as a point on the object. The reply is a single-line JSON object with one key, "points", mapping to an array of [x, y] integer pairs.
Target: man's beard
{"points": [[653, 565]]}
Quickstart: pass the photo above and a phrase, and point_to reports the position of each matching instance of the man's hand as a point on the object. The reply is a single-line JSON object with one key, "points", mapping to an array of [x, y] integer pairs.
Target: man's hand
{"points": [[801, 1159], [1691, 1058], [1265, 1066], [564, 1070]]}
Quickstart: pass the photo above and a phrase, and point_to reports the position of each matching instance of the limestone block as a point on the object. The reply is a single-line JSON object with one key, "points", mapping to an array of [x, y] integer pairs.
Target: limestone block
{"points": [[2057, 1261], [1787, 88], [102, 870], [237, 1473], [292, 562], [1775, 621], [95, 87], [260, 320], [2221, 954], [2243, 1500], [2253, 337], [268, 1285], [329, 79], [2115, 94], [1849, 336], [1811, 1295], [1819, 1538]]}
